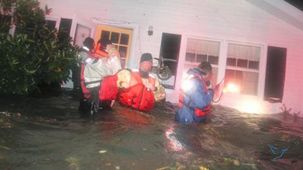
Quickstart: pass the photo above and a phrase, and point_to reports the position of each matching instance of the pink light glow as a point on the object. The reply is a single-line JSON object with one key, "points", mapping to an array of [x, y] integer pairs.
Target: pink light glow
{"points": [[250, 106], [245, 103]]}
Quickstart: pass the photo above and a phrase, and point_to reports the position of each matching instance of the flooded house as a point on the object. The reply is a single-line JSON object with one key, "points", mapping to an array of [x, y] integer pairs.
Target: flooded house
{"points": [[255, 46]]}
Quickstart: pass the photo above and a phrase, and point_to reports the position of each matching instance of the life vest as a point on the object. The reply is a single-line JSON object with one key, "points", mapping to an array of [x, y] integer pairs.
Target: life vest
{"points": [[202, 112], [137, 96], [109, 89], [197, 111], [99, 53]]}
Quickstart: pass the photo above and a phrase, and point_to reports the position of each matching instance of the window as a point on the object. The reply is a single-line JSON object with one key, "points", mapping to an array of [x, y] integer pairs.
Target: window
{"points": [[199, 50], [120, 37], [50, 24], [242, 67], [65, 25]]}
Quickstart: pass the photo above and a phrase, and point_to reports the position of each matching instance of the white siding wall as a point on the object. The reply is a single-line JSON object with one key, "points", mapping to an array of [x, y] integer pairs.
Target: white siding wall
{"points": [[232, 20]]}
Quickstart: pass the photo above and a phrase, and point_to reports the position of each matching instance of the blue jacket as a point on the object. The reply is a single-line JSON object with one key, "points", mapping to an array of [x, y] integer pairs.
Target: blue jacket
{"points": [[195, 97]]}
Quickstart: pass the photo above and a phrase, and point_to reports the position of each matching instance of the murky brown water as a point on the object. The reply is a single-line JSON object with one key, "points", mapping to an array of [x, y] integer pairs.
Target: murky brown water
{"points": [[48, 134]]}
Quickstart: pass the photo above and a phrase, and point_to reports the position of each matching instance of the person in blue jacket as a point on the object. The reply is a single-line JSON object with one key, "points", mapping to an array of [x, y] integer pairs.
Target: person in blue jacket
{"points": [[196, 95]]}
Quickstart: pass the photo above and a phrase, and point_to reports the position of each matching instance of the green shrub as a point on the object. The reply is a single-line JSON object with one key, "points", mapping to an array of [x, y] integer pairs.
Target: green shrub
{"points": [[36, 55]]}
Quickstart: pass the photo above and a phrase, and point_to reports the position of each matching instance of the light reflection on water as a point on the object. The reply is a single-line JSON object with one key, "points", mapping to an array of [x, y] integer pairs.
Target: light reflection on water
{"points": [[173, 143]]}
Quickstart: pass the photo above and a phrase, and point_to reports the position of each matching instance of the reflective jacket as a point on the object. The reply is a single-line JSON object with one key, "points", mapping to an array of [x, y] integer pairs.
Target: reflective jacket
{"points": [[83, 57], [195, 100], [93, 70], [136, 94]]}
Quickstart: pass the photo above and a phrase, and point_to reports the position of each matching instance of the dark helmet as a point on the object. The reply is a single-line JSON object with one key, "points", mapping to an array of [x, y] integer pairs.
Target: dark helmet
{"points": [[146, 57], [205, 67], [89, 43]]}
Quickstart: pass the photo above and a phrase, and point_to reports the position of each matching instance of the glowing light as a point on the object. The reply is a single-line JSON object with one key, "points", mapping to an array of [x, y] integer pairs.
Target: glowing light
{"points": [[233, 88], [186, 85]]}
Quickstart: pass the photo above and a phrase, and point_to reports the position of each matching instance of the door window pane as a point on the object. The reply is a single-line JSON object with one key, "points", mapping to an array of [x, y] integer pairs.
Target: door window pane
{"points": [[124, 39], [123, 51], [105, 35], [115, 37]]}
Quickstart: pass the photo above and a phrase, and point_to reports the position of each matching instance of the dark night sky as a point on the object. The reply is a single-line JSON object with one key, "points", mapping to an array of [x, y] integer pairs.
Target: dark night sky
{"points": [[296, 3]]}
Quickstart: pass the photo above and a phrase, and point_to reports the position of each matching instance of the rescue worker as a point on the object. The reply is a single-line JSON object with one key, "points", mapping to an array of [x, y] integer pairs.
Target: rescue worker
{"points": [[112, 64], [139, 89], [196, 95], [94, 69], [85, 57]]}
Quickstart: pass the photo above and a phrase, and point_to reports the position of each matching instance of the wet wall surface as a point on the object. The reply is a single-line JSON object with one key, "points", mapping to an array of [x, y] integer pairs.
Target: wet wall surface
{"points": [[48, 133]]}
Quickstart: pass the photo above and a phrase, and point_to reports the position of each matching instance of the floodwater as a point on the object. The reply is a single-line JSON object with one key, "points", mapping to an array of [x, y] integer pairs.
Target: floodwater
{"points": [[49, 134]]}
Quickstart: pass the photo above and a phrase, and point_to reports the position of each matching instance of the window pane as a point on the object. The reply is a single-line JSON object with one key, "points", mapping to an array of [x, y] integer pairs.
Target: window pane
{"points": [[247, 56], [50, 24], [124, 39], [213, 59], [123, 62], [247, 81], [105, 35], [231, 62], [214, 75], [201, 57], [123, 51], [115, 37], [232, 77], [65, 25], [250, 82], [190, 57], [198, 50], [242, 63], [253, 65]]}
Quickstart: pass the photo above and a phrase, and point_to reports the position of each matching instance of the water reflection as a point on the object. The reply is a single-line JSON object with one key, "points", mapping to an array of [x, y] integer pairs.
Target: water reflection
{"points": [[173, 143]]}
